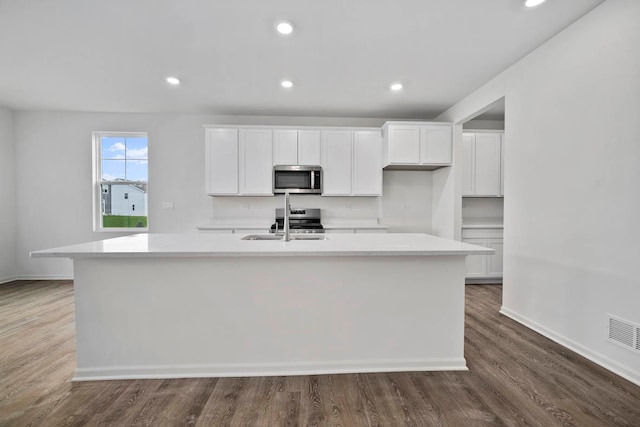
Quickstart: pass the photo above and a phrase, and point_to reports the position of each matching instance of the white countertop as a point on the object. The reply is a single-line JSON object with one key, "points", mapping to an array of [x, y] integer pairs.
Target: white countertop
{"points": [[223, 245], [258, 225], [360, 224], [235, 226], [482, 223]]}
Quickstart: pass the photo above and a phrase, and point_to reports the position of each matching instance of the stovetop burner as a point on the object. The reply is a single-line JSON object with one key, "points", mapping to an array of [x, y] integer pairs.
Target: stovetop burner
{"points": [[300, 221]]}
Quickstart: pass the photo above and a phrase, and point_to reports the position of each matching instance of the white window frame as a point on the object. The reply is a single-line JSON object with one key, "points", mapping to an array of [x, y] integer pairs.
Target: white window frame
{"points": [[97, 181]]}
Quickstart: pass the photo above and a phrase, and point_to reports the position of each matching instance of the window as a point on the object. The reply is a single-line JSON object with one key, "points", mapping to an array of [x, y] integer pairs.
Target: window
{"points": [[121, 165]]}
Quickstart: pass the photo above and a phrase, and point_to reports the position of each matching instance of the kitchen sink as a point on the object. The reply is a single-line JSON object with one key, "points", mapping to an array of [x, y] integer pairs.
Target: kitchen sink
{"points": [[292, 237]]}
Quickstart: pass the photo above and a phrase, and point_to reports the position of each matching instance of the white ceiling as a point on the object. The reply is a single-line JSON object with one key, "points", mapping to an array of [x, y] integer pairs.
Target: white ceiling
{"points": [[113, 55]]}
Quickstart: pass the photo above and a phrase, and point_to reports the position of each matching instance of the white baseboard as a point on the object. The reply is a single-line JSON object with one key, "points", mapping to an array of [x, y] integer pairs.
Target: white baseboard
{"points": [[483, 281], [7, 279], [266, 369], [44, 277], [597, 358]]}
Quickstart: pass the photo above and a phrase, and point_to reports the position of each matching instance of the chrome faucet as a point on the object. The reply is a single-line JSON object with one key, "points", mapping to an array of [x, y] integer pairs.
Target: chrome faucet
{"points": [[287, 212]]}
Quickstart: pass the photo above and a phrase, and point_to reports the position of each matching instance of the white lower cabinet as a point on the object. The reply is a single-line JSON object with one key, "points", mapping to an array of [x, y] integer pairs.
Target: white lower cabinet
{"points": [[494, 263], [484, 266], [476, 264]]}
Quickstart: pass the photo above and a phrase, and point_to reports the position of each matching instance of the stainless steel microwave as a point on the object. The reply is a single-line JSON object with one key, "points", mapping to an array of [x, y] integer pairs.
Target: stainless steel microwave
{"points": [[297, 179]]}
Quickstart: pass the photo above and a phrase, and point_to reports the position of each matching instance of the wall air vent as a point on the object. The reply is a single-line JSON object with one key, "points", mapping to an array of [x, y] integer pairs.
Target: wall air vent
{"points": [[624, 333]]}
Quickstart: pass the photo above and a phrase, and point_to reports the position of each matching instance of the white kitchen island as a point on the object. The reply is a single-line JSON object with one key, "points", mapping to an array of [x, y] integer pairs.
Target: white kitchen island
{"points": [[202, 305]]}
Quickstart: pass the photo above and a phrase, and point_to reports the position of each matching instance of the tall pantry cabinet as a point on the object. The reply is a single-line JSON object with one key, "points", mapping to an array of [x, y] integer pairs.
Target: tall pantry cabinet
{"points": [[482, 162]]}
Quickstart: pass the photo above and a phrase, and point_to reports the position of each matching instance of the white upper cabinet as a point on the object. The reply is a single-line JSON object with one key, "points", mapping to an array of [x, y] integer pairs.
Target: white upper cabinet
{"points": [[296, 147], [222, 161], [285, 147], [482, 164], [367, 163], [404, 144], [337, 157], [488, 147], [352, 163], [416, 145], [255, 164], [239, 162], [309, 152], [467, 160], [435, 145]]}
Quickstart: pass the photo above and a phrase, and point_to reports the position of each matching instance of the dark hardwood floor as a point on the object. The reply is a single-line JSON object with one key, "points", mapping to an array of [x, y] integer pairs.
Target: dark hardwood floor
{"points": [[516, 377]]}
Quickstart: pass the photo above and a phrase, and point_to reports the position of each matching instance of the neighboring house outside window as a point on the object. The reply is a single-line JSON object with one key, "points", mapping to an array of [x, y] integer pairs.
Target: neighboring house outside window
{"points": [[120, 166]]}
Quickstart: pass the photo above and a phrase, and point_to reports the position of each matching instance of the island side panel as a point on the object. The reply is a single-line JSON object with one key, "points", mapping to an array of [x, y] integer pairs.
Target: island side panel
{"points": [[226, 316]]}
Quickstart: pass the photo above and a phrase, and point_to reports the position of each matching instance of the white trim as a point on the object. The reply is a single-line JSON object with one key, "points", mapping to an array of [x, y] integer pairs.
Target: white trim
{"points": [[416, 123], [267, 369], [293, 127], [44, 277], [7, 279], [595, 357], [464, 130], [497, 280]]}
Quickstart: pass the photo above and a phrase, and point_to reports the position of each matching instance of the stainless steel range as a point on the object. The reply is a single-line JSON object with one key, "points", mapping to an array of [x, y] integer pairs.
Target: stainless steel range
{"points": [[301, 220]]}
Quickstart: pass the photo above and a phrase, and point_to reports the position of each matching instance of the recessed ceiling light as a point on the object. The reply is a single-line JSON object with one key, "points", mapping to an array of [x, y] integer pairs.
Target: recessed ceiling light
{"points": [[284, 27], [173, 80], [532, 3], [396, 87], [286, 84]]}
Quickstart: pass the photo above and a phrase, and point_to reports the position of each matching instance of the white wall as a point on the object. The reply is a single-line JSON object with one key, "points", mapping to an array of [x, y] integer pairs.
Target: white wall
{"points": [[476, 124], [572, 182], [262, 209], [53, 167], [7, 198], [482, 207], [406, 202]]}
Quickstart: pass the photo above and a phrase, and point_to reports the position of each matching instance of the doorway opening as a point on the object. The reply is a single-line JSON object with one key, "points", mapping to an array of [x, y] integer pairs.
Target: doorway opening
{"points": [[480, 154]]}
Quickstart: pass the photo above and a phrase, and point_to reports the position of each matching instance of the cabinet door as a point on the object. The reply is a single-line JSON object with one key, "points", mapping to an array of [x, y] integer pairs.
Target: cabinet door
{"points": [[285, 147], [309, 148], [487, 164], [468, 164], [494, 262], [476, 265], [435, 145], [256, 164], [336, 163], [404, 144], [367, 163], [222, 161]]}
